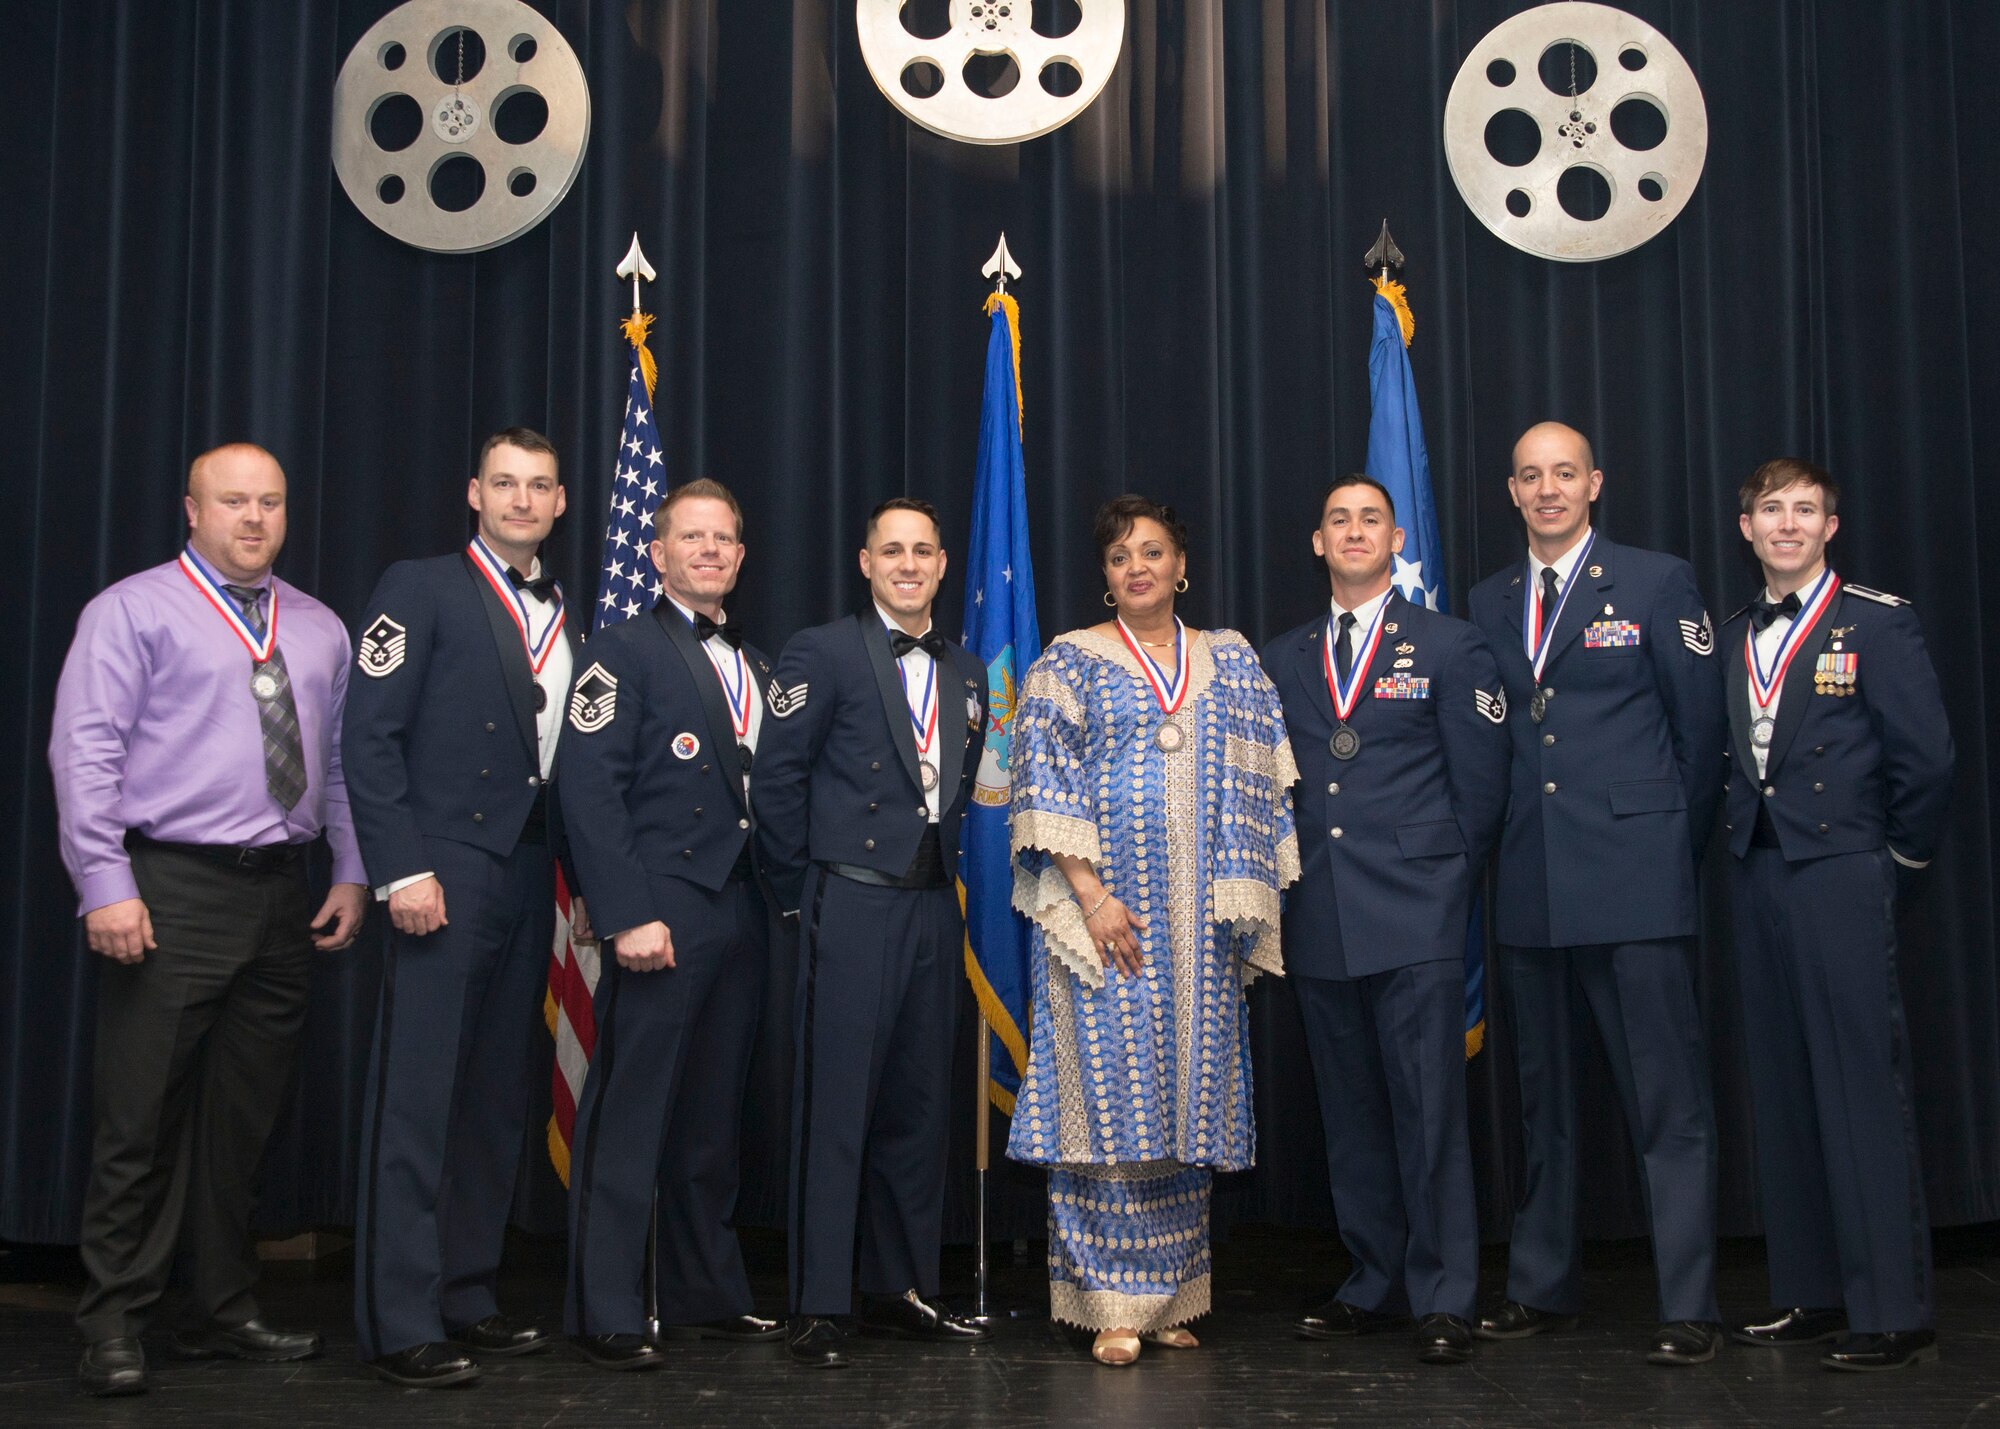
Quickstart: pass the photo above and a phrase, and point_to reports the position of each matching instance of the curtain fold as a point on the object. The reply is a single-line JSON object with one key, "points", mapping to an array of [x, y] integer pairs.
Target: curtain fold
{"points": [[181, 268]]}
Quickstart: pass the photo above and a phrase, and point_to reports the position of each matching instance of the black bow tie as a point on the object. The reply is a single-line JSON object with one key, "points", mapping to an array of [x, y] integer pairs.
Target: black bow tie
{"points": [[705, 629], [1763, 612], [901, 644], [541, 587]]}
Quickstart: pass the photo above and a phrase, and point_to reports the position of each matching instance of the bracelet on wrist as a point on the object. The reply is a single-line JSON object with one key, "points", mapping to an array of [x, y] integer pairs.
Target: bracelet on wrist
{"points": [[1097, 905]]}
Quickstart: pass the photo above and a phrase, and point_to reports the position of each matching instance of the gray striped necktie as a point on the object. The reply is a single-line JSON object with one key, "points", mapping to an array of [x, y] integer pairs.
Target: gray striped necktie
{"points": [[284, 748]]}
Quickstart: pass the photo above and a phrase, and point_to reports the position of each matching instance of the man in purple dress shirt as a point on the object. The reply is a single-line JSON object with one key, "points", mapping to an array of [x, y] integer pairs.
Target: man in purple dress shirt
{"points": [[196, 753]]}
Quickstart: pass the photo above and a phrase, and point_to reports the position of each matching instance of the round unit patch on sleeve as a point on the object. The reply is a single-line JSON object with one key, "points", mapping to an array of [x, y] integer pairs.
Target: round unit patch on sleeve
{"points": [[383, 645], [593, 703]]}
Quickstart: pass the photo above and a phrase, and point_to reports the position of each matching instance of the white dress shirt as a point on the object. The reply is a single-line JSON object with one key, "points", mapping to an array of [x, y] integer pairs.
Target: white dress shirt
{"points": [[918, 671]]}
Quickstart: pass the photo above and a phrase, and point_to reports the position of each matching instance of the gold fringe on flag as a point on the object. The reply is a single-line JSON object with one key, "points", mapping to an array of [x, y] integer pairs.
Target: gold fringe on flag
{"points": [[1405, 319], [636, 329], [1013, 310]]}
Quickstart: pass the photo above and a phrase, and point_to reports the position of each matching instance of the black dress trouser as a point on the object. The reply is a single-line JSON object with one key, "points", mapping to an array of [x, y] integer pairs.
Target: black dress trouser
{"points": [[196, 1045]]}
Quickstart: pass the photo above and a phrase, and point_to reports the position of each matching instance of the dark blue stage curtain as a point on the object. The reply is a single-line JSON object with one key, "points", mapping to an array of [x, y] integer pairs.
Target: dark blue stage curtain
{"points": [[178, 266]]}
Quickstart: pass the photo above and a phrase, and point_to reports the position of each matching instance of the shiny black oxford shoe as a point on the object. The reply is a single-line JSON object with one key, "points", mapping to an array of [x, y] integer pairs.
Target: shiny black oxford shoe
{"points": [[1515, 1321], [738, 1329], [503, 1336], [1444, 1339], [252, 1340], [817, 1343], [621, 1352], [112, 1367], [1684, 1342], [1336, 1319], [433, 1366], [1797, 1326], [906, 1317], [1887, 1349]]}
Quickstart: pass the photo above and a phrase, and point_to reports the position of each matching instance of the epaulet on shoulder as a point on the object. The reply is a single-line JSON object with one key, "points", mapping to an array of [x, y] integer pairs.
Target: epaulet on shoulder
{"points": [[1880, 597]]}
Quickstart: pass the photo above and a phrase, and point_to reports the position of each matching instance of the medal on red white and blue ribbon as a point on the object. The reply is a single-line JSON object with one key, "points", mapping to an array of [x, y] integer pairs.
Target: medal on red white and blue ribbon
{"points": [[1345, 743], [1538, 635], [495, 571], [1170, 689], [1764, 687], [737, 693], [263, 684], [924, 717]]}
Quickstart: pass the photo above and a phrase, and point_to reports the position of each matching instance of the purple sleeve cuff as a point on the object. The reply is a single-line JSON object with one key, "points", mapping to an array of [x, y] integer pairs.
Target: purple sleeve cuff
{"points": [[113, 884]]}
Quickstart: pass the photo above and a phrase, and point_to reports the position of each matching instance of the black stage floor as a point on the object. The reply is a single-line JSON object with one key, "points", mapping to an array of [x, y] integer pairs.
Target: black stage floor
{"points": [[1248, 1371]]}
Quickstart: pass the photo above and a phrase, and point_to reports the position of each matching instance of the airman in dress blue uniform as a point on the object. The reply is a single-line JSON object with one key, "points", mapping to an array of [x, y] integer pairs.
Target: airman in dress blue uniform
{"points": [[1839, 771], [1397, 717], [862, 779], [655, 773], [1614, 703], [448, 744]]}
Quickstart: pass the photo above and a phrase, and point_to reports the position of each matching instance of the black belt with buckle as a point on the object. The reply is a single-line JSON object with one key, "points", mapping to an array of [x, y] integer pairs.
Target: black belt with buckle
{"points": [[259, 858], [926, 869]]}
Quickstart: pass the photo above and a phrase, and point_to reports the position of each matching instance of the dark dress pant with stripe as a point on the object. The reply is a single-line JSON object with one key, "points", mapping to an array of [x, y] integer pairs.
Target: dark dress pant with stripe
{"points": [[196, 1046], [446, 1104], [1837, 1157], [1388, 1055], [879, 972], [662, 1110], [1641, 997]]}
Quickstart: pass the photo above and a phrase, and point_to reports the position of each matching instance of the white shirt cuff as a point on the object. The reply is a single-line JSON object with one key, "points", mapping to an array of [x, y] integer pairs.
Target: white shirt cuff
{"points": [[382, 893]]}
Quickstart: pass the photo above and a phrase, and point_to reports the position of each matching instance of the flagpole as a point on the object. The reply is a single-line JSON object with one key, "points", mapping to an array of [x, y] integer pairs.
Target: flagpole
{"points": [[634, 266]]}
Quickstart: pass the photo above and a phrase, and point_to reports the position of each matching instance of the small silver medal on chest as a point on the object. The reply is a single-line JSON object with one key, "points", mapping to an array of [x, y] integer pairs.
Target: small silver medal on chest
{"points": [[264, 686], [1345, 743], [928, 773], [1761, 730], [1538, 706], [1169, 737]]}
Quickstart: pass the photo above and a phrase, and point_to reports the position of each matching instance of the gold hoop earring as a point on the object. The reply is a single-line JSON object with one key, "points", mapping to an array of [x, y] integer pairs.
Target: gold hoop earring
{"points": [[1180, 586], [1111, 600]]}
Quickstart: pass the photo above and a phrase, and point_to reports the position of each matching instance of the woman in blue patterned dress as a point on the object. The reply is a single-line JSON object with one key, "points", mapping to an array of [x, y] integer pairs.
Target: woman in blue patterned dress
{"points": [[1152, 832]]}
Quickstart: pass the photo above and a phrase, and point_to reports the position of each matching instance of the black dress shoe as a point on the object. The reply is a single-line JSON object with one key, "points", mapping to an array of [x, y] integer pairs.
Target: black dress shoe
{"points": [[1684, 1342], [1444, 1339], [1886, 1349], [426, 1367], [905, 1317], [817, 1342], [1794, 1327], [112, 1367], [1337, 1318], [619, 1351], [251, 1340], [503, 1336], [738, 1329], [1515, 1321]]}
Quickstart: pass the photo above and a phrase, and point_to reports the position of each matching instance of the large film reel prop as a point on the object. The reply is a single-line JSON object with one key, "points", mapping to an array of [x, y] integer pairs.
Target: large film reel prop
{"points": [[459, 124], [932, 79], [1513, 140]]}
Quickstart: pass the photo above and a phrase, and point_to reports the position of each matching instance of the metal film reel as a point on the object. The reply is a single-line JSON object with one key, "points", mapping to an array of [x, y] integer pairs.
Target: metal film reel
{"points": [[1499, 101], [459, 125], [926, 77]]}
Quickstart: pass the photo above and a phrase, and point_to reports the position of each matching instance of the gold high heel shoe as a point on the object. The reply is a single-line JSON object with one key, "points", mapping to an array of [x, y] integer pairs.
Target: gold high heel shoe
{"points": [[1177, 1338], [1115, 1347]]}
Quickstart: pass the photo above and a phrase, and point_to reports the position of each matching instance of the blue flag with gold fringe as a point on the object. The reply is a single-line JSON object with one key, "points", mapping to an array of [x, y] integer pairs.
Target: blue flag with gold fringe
{"points": [[1000, 628], [1398, 459]]}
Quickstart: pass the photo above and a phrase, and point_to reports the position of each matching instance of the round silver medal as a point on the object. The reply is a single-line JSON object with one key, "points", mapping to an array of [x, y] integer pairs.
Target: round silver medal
{"points": [[929, 774], [264, 685], [1345, 743], [1169, 737], [1538, 707], [1761, 729]]}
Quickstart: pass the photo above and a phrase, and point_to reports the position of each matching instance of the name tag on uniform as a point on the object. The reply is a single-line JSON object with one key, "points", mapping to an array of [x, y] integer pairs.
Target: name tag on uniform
{"points": [[1403, 687], [1837, 673], [1610, 634]]}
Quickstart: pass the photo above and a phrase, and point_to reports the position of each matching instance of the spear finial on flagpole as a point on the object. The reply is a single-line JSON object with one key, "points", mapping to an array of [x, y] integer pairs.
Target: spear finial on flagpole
{"points": [[1385, 254], [1001, 266], [634, 266]]}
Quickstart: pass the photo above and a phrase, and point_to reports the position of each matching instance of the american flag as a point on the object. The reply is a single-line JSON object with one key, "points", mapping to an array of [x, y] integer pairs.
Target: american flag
{"points": [[627, 584]]}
